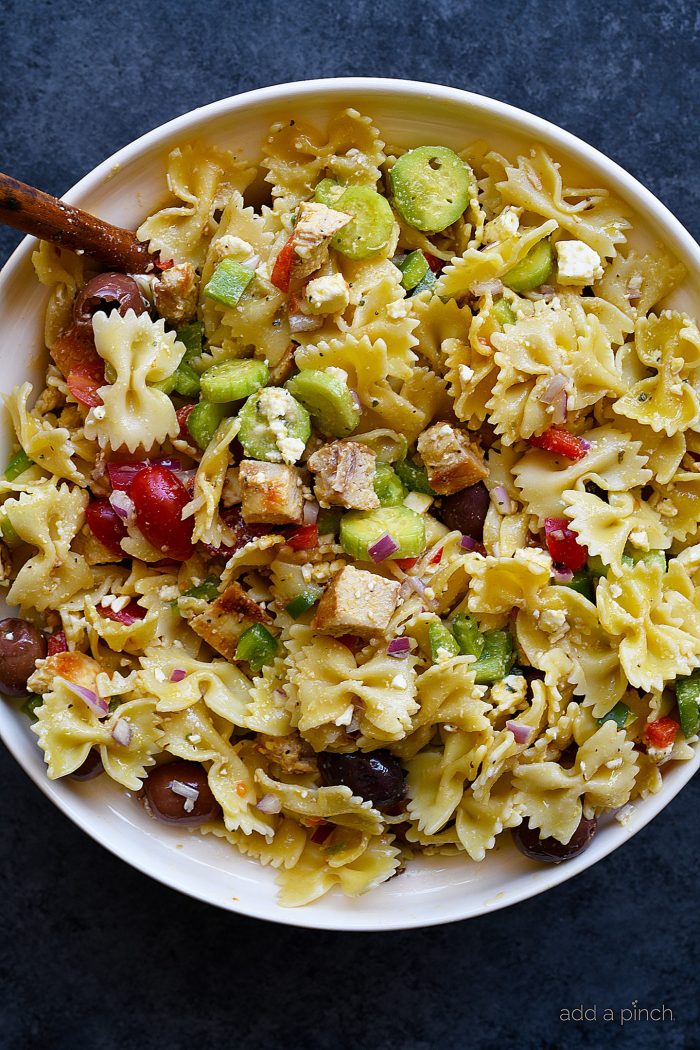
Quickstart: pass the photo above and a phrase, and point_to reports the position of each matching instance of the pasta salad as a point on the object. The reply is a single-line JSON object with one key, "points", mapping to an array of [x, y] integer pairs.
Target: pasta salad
{"points": [[366, 525]]}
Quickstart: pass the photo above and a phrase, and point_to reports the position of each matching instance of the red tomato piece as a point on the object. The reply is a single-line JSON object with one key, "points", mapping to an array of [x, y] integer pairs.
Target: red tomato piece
{"points": [[128, 615], [563, 544], [324, 829], [405, 563], [84, 381], [662, 733], [183, 414], [106, 525], [282, 270], [160, 498], [304, 539], [561, 443], [436, 265], [437, 557], [56, 643], [74, 351]]}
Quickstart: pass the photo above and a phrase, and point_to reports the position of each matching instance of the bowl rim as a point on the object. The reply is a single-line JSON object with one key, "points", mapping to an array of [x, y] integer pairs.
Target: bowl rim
{"points": [[616, 178]]}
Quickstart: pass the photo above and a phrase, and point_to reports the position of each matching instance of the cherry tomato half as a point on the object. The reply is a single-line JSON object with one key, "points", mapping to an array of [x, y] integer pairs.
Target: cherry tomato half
{"points": [[106, 524], [159, 498]]}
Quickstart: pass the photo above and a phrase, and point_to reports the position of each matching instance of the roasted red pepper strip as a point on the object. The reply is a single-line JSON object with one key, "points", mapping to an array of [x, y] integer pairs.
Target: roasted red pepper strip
{"points": [[304, 539], [436, 265], [563, 544], [405, 563], [282, 270], [56, 643], [182, 417], [661, 733], [561, 443], [437, 557]]}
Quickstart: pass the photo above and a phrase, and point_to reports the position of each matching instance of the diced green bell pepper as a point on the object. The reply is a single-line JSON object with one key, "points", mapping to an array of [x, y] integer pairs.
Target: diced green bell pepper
{"points": [[303, 601], [496, 658], [257, 647], [469, 637], [426, 282], [328, 521], [30, 705], [582, 582], [388, 486], [9, 534], [503, 312], [441, 639], [620, 714], [413, 269], [414, 477]]}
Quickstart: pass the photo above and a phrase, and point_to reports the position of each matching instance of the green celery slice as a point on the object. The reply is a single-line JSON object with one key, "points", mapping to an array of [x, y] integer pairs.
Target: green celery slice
{"points": [[228, 282]]}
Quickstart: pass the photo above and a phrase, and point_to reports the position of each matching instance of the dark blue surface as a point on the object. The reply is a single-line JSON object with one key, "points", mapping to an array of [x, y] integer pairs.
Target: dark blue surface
{"points": [[94, 956]]}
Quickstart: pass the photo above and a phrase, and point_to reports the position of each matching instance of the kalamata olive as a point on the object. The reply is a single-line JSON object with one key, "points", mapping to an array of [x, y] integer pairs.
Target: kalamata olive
{"points": [[91, 767], [550, 850], [170, 790], [466, 510], [104, 292], [21, 645], [377, 777]]}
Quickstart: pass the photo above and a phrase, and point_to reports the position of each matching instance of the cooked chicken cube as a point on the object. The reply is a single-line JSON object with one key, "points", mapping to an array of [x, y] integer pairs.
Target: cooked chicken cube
{"points": [[175, 293], [270, 492], [225, 619], [315, 225], [291, 753], [345, 475], [451, 460], [356, 602]]}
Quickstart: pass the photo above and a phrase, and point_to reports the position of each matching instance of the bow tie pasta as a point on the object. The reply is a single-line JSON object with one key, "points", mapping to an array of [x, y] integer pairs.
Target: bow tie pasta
{"points": [[367, 526]]}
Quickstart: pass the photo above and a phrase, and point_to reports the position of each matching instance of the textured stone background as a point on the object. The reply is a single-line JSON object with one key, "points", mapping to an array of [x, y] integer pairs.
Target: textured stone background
{"points": [[96, 956]]}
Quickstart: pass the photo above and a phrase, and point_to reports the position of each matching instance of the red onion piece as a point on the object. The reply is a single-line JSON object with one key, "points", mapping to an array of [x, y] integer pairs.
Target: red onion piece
{"points": [[500, 497], [187, 792], [94, 702], [122, 732], [385, 546], [554, 387], [269, 804], [563, 575], [399, 647], [121, 475], [311, 513], [304, 323], [468, 544], [123, 504], [521, 733], [166, 461], [178, 675], [494, 286], [356, 398]]}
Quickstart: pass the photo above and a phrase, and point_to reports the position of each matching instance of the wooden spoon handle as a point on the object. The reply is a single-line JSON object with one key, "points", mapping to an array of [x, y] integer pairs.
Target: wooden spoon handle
{"points": [[32, 211]]}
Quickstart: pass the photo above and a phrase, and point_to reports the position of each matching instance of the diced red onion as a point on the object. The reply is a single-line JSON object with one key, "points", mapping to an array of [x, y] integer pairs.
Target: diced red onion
{"points": [[502, 500], [385, 546], [121, 475], [554, 387], [122, 732], [189, 794], [311, 513], [493, 286], [356, 398], [304, 323], [178, 674], [166, 461], [123, 504], [95, 703], [269, 804], [412, 584], [585, 444], [563, 575], [521, 733], [399, 647], [468, 543]]}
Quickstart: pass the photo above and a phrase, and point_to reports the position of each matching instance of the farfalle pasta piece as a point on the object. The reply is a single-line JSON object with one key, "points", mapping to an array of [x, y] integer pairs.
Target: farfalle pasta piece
{"points": [[48, 445], [48, 518], [478, 822], [591, 215], [478, 265], [281, 851], [202, 178], [612, 462], [298, 156], [330, 689], [606, 528], [554, 799], [678, 502], [501, 584], [670, 346], [381, 311], [657, 620], [208, 486], [437, 777], [134, 414], [178, 681], [68, 729], [313, 876], [63, 272], [438, 321], [336, 804], [636, 283]]}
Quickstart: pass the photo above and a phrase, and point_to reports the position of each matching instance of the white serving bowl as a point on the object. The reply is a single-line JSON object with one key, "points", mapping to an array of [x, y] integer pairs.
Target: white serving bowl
{"points": [[123, 190]]}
